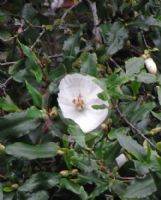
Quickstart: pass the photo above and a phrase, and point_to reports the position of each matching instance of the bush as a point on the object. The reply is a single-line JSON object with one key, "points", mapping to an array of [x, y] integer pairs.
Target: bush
{"points": [[46, 154]]}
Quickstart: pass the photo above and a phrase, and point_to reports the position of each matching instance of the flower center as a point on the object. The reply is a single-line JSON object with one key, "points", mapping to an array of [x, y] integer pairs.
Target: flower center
{"points": [[78, 103]]}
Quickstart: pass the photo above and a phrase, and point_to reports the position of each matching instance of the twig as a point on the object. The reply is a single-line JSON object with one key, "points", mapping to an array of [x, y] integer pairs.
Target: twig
{"points": [[133, 127], [67, 11], [4, 85], [38, 38], [115, 63], [55, 56], [8, 63], [145, 42], [96, 29], [32, 25]]}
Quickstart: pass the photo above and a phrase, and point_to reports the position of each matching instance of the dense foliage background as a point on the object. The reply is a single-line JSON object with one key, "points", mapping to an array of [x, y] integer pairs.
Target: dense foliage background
{"points": [[44, 156]]}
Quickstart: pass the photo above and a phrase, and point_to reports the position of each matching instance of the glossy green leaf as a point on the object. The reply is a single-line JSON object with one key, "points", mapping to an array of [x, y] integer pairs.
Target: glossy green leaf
{"points": [[15, 125], [159, 94], [117, 36], [5, 35], [33, 62], [141, 188], [134, 65], [40, 181], [146, 78], [35, 113], [157, 115], [8, 105], [78, 135], [40, 195], [71, 45], [136, 112], [21, 150], [75, 188], [35, 94], [130, 145], [89, 64]]}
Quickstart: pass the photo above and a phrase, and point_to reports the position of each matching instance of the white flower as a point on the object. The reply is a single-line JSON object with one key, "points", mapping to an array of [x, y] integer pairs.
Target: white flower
{"points": [[77, 94], [56, 4], [151, 66]]}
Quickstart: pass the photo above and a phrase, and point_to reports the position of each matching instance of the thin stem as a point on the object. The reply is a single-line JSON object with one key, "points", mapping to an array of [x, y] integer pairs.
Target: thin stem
{"points": [[96, 29], [132, 126], [8, 63], [55, 56], [68, 10], [38, 39], [4, 85]]}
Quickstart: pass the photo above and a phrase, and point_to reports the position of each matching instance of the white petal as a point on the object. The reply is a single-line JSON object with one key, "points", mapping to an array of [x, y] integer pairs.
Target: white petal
{"points": [[121, 160], [76, 84]]}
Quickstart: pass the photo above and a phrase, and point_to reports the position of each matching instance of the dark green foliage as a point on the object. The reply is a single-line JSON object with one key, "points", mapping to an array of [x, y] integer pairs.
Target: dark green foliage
{"points": [[46, 157]]}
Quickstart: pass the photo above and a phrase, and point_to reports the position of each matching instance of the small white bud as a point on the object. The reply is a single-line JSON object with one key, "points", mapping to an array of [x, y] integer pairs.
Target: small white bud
{"points": [[121, 160], [151, 66]]}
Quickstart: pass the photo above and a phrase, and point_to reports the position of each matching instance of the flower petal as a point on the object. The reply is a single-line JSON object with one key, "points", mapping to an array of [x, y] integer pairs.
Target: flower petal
{"points": [[71, 86]]}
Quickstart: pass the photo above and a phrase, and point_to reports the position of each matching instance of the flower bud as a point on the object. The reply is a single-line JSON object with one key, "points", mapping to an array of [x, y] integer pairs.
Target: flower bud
{"points": [[2, 148], [53, 113], [156, 130], [104, 127], [74, 172], [64, 173], [14, 186], [151, 66], [60, 152]]}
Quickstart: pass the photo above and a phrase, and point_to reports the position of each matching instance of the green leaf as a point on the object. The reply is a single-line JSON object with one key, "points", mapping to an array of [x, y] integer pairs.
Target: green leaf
{"points": [[141, 188], [159, 94], [5, 35], [135, 86], [134, 65], [40, 195], [35, 94], [57, 72], [3, 16], [132, 146], [40, 181], [8, 189], [115, 131], [32, 61], [28, 12], [71, 45], [15, 125], [156, 115], [136, 112], [99, 107], [35, 113], [146, 78], [116, 38], [8, 105], [78, 135], [98, 190], [1, 191], [89, 64], [21, 150], [74, 187]]}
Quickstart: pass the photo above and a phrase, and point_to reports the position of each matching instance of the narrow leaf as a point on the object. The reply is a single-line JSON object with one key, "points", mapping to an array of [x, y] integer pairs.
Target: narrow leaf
{"points": [[21, 150], [132, 146], [141, 188], [36, 96]]}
